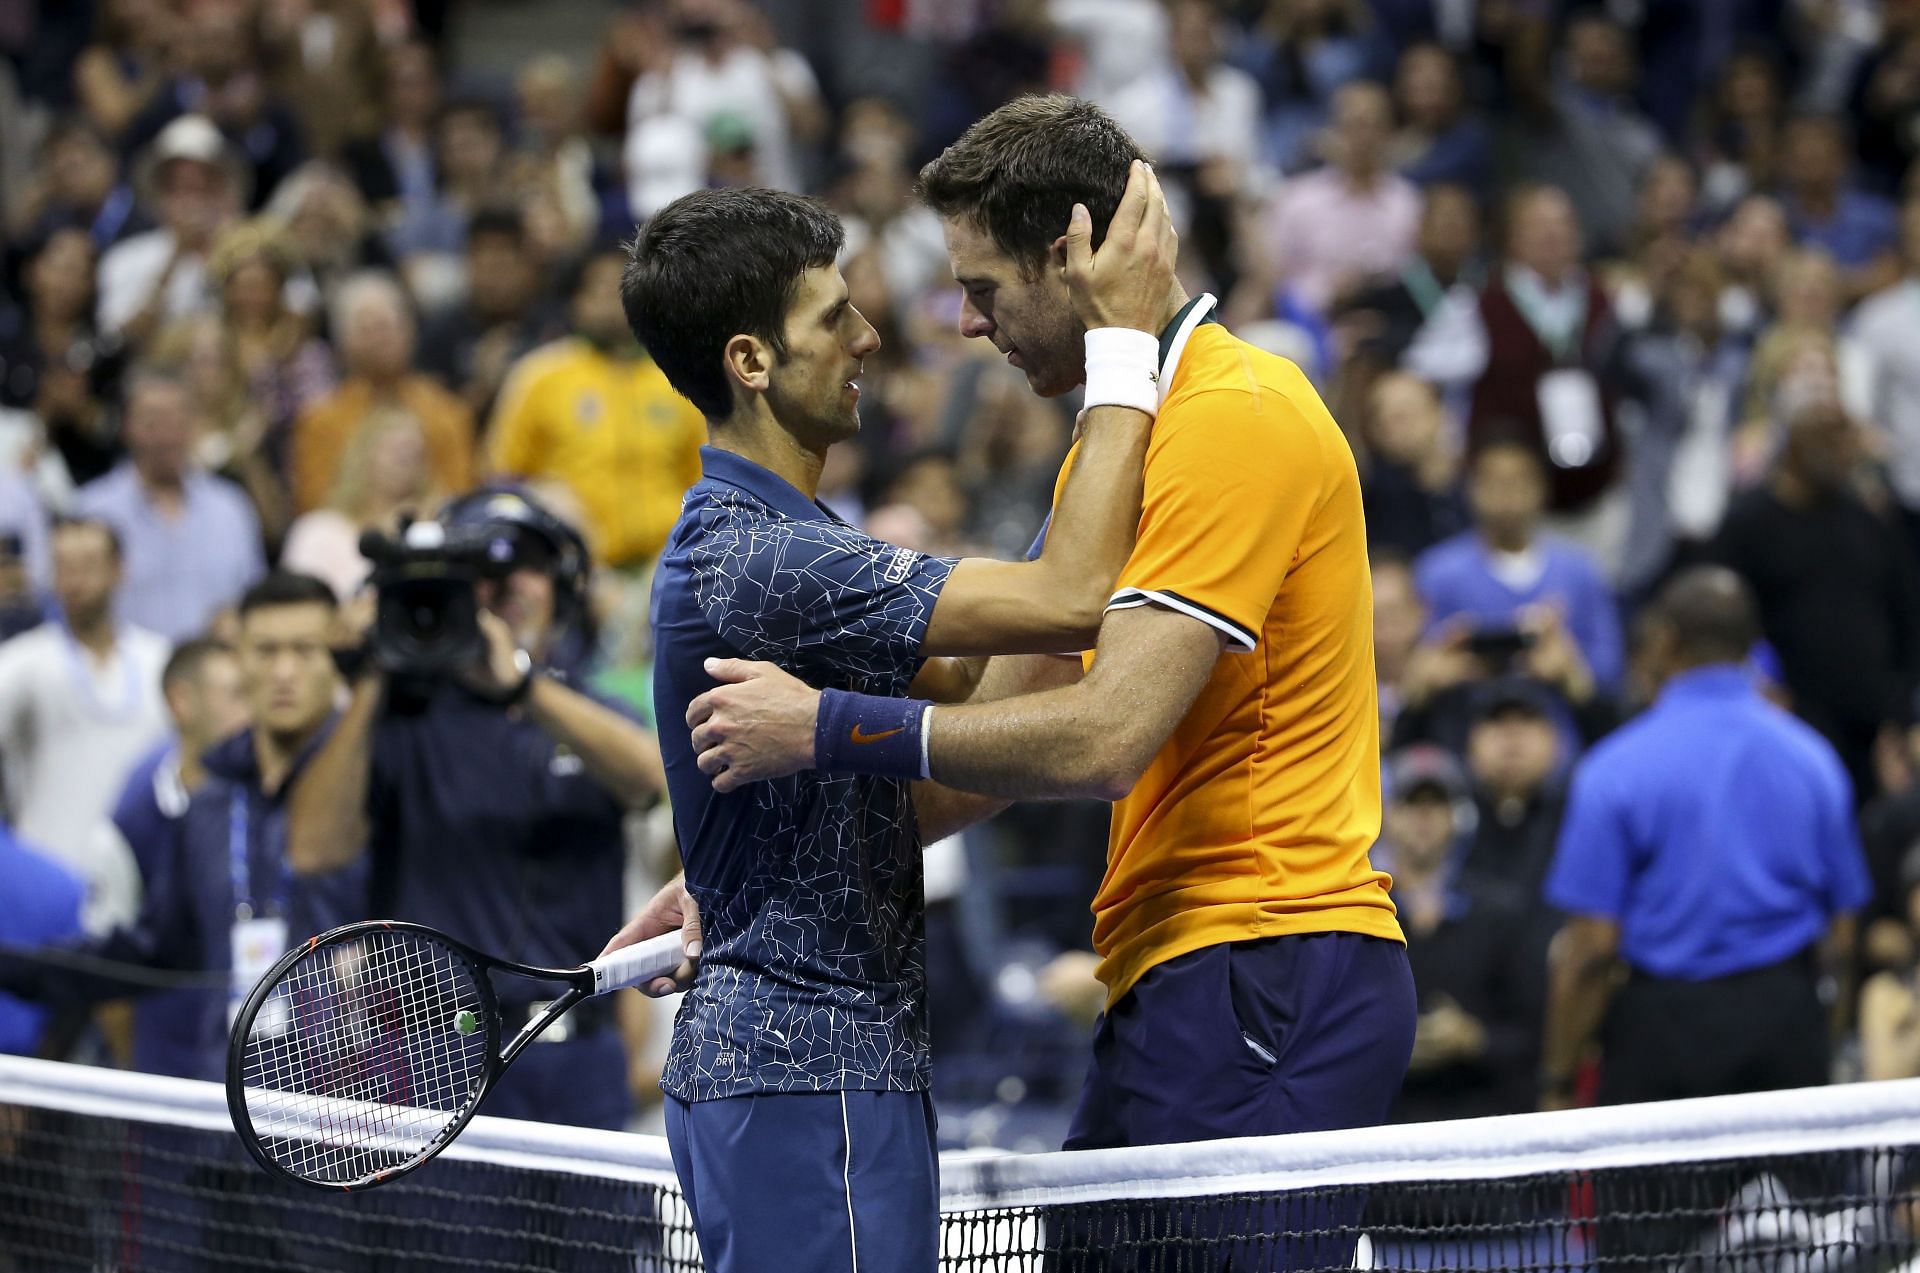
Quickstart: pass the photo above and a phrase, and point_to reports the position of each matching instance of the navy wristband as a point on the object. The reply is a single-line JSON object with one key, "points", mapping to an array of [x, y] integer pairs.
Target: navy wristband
{"points": [[867, 734]]}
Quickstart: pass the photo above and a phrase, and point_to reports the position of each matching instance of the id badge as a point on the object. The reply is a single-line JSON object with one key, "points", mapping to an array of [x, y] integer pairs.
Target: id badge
{"points": [[1571, 417], [257, 943]]}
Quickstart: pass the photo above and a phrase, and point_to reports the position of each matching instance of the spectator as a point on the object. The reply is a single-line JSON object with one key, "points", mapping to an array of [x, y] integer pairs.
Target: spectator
{"points": [[1859, 230], [206, 702], [218, 76], [1890, 998], [1477, 1039], [192, 540], [1551, 343], [226, 906], [1426, 319], [1811, 551], [1709, 847], [1198, 119], [553, 164], [394, 169], [375, 331], [1411, 480], [1583, 134], [503, 315], [1398, 620], [1682, 374], [724, 60], [1740, 131], [594, 412], [1751, 245], [324, 60], [427, 781], [79, 706], [1514, 749], [41, 905], [383, 476], [1303, 52], [196, 186], [1507, 573], [54, 363], [1338, 225], [1885, 101], [119, 74], [1883, 330], [1440, 141], [78, 186], [469, 170]]}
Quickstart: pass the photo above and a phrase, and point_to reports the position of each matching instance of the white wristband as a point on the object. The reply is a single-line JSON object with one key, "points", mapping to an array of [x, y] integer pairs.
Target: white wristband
{"points": [[926, 733], [1123, 369]]}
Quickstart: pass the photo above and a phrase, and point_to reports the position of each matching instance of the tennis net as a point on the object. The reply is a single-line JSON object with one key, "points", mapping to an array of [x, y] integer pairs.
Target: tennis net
{"points": [[102, 1170]]}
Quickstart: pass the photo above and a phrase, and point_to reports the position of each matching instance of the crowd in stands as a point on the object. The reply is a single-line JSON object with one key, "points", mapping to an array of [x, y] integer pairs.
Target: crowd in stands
{"points": [[1598, 292]]}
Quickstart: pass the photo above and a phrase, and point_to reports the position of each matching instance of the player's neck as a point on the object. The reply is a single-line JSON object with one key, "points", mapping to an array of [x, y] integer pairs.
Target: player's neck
{"points": [[762, 439]]}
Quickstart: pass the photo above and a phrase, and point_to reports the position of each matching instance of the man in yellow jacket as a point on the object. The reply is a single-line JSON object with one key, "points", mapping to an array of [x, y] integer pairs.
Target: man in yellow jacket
{"points": [[593, 411]]}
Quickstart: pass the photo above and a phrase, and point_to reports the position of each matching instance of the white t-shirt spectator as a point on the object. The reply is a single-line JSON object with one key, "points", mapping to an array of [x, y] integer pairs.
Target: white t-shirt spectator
{"points": [[1883, 330], [1326, 234], [71, 729], [745, 82], [132, 268]]}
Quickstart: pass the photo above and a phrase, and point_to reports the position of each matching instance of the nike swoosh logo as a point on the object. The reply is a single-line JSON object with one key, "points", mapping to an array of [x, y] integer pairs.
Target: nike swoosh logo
{"points": [[861, 736]]}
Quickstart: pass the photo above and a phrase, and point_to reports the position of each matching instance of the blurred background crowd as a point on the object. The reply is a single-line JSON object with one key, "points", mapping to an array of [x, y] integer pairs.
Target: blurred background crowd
{"points": [[1596, 290]]}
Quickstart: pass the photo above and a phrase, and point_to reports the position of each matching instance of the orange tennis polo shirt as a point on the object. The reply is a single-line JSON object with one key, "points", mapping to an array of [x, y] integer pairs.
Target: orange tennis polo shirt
{"points": [[1255, 818]]}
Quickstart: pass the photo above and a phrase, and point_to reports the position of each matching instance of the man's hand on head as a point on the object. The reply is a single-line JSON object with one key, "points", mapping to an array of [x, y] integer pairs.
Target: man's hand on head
{"points": [[1127, 282], [757, 724]]}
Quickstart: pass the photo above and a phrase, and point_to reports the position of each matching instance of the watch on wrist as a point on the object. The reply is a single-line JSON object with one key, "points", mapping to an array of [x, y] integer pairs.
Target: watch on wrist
{"points": [[523, 664]]}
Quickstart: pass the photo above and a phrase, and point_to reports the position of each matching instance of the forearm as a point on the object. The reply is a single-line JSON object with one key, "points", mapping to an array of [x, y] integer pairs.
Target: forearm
{"points": [[1060, 744], [1840, 966], [327, 824], [1093, 526], [1580, 988], [943, 811], [620, 755]]}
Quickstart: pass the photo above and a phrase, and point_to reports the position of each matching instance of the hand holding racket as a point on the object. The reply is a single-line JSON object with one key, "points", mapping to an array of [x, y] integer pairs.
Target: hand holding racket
{"points": [[363, 1053]]}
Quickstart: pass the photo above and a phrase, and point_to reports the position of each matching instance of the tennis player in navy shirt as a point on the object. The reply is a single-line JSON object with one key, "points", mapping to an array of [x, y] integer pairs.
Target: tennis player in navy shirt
{"points": [[1710, 847], [797, 1078]]}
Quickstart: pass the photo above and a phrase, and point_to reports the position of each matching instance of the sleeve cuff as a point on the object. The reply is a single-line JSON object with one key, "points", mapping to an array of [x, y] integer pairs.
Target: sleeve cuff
{"points": [[1239, 639]]}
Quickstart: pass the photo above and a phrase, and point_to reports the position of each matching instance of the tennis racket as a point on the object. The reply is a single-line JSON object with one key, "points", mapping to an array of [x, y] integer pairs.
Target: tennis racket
{"points": [[363, 1053]]}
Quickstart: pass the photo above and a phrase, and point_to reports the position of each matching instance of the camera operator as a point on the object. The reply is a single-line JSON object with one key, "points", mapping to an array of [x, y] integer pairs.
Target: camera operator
{"points": [[490, 793]]}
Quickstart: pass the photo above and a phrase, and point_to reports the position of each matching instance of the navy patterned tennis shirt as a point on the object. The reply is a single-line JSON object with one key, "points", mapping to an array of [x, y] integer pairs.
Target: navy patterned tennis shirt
{"points": [[812, 971]]}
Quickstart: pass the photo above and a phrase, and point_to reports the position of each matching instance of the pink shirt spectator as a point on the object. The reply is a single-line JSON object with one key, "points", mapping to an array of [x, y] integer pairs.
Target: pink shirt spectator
{"points": [[1325, 234]]}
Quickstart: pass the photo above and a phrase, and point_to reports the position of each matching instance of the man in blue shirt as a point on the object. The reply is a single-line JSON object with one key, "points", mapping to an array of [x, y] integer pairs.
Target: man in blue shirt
{"points": [[1507, 575], [797, 1110], [1709, 847], [207, 703]]}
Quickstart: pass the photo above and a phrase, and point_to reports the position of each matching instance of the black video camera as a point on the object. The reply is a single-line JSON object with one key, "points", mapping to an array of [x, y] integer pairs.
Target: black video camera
{"points": [[427, 618]]}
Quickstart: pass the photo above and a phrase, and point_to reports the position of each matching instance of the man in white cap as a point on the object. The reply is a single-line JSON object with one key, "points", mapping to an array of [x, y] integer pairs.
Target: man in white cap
{"points": [[195, 186]]}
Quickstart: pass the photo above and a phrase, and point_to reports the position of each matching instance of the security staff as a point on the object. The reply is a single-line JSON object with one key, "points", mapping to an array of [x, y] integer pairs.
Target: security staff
{"points": [[485, 811], [1709, 854]]}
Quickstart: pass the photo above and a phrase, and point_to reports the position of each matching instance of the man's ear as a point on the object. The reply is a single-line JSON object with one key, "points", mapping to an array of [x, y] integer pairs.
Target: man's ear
{"points": [[1057, 255], [749, 362]]}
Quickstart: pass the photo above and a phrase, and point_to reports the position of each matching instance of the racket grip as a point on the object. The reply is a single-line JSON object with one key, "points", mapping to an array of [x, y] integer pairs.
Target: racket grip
{"points": [[637, 964]]}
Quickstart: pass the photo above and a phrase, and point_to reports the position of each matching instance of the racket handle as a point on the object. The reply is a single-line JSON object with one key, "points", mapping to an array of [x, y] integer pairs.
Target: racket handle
{"points": [[637, 964]]}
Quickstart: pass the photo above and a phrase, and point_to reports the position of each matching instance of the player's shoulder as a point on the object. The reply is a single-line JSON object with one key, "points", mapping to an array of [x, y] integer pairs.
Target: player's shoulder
{"points": [[1223, 379]]}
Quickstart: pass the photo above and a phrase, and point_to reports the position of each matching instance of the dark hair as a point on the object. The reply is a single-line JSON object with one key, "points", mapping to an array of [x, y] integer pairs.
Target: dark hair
{"points": [[712, 265], [1711, 614], [64, 521], [1018, 172], [287, 588], [189, 657], [500, 220]]}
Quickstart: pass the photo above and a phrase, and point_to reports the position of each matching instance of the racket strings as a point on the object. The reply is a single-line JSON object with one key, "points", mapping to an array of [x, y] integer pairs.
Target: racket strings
{"points": [[364, 1055]]}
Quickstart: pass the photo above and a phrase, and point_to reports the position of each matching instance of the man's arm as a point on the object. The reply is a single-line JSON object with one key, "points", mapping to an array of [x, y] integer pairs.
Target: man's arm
{"points": [[943, 811], [1094, 738], [620, 754], [1053, 604], [1582, 972], [327, 822]]}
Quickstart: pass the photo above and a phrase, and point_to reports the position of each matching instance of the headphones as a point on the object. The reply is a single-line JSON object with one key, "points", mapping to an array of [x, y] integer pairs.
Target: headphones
{"points": [[509, 507]]}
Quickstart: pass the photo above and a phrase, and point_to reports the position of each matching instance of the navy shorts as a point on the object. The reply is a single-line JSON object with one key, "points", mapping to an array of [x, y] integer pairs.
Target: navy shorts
{"points": [[810, 1182], [1284, 1034]]}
